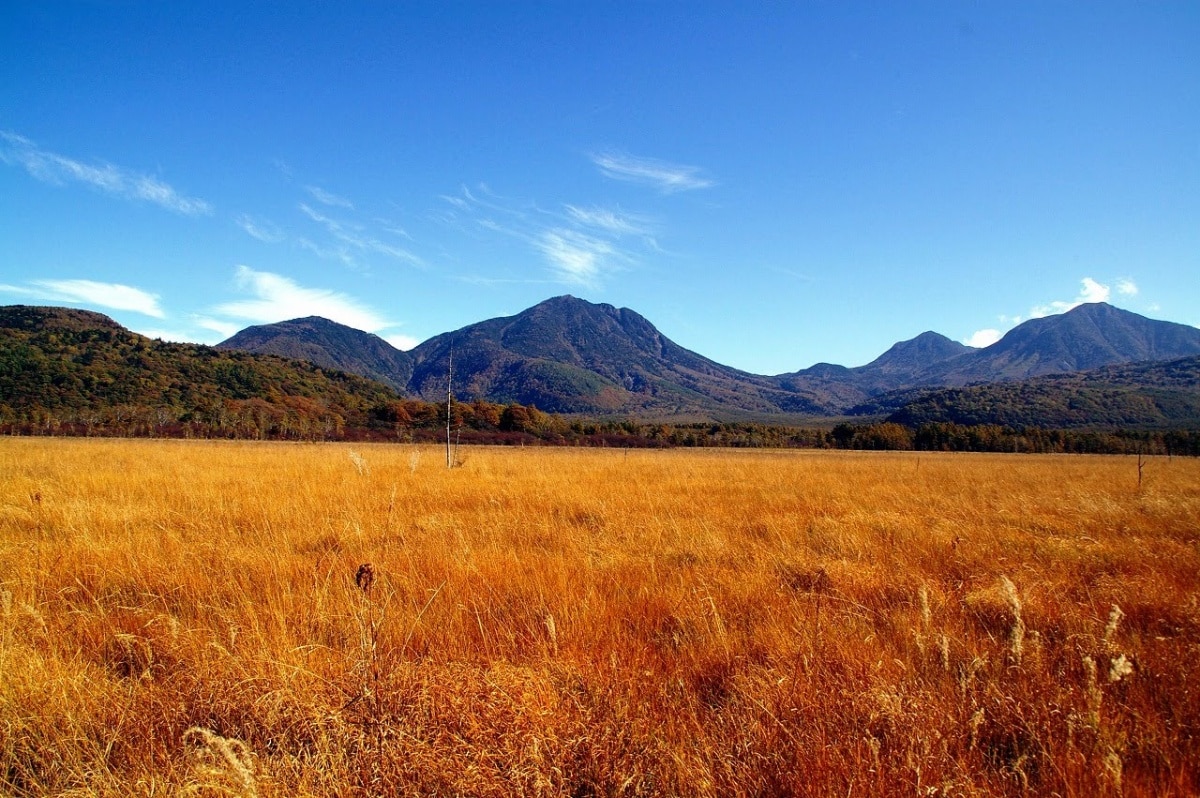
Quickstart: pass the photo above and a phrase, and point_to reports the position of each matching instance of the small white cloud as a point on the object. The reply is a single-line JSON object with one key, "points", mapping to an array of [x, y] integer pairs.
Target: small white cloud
{"points": [[1127, 287], [982, 338], [113, 296], [667, 178], [401, 342], [278, 298], [1092, 291], [328, 198], [55, 169]]}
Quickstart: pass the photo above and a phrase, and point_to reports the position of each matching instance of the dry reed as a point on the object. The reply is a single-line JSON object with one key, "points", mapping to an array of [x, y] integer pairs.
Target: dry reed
{"points": [[191, 618]]}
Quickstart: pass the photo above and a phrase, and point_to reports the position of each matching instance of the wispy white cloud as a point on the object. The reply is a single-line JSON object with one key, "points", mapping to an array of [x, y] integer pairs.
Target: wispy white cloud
{"points": [[576, 257], [354, 238], [462, 203], [610, 221], [392, 228], [338, 253], [55, 169], [580, 245], [665, 177], [90, 293], [261, 229], [1127, 287], [274, 297], [793, 274], [328, 197]]}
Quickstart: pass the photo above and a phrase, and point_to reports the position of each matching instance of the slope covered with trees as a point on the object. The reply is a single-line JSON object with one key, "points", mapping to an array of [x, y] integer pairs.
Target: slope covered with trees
{"points": [[329, 345], [1154, 395], [61, 366]]}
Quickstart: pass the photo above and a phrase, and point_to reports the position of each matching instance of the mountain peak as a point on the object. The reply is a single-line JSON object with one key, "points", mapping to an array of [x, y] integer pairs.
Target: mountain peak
{"points": [[915, 355], [328, 344]]}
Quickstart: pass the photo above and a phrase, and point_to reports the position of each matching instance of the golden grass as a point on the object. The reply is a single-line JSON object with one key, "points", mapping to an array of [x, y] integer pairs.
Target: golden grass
{"points": [[182, 618]]}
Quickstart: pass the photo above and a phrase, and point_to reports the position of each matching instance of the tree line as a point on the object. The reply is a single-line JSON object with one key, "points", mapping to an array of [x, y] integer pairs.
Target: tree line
{"points": [[415, 421]]}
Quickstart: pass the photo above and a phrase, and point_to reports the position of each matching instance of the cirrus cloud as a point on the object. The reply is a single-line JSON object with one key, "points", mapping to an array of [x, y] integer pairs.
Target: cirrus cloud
{"points": [[581, 245], [574, 256], [50, 167], [665, 177]]}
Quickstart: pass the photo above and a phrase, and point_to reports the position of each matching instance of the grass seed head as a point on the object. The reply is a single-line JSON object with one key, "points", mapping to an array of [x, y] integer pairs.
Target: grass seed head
{"points": [[1114, 620], [1016, 634]]}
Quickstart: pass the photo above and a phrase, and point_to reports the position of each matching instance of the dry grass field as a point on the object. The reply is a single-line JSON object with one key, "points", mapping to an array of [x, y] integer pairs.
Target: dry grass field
{"points": [[184, 618]]}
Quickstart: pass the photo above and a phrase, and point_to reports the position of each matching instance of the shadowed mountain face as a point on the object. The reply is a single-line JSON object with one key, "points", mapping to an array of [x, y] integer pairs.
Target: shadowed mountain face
{"points": [[569, 355], [905, 365], [1088, 337], [907, 359], [328, 345]]}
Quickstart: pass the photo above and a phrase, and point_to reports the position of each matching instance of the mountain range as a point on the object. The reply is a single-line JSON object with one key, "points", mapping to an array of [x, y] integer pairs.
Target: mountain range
{"points": [[568, 355], [62, 365]]}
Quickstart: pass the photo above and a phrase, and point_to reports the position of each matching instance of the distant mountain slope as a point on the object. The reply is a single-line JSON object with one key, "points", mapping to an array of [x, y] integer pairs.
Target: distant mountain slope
{"points": [[569, 355], [907, 360], [572, 356], [1087, 337], [327, 344], [1158, 394], [901, 366], [78, 365]]}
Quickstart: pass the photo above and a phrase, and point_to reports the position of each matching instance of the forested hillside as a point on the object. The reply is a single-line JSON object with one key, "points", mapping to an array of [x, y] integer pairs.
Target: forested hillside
{"points": [[61, 366], [1160, 395]]}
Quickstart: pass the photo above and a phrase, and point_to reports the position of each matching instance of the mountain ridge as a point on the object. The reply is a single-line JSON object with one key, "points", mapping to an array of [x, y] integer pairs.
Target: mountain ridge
{"points": [[569, 355]]}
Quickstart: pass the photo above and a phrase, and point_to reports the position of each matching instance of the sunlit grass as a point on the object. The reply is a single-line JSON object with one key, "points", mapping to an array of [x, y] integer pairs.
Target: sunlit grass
{"points": [[182, 618]]}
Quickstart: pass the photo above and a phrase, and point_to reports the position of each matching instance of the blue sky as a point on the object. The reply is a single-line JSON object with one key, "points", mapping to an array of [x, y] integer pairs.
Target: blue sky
{"points": [[771, 185]]}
